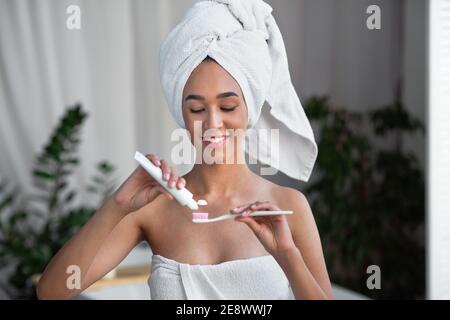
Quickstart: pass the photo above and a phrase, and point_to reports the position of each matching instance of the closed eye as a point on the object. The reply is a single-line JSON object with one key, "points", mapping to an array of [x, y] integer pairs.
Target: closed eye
{"points": [[197, 110], [228, 109], [225, 109]]}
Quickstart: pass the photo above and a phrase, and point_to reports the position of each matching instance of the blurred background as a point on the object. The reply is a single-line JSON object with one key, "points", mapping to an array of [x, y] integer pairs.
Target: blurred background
{"points": [[76, 104]]}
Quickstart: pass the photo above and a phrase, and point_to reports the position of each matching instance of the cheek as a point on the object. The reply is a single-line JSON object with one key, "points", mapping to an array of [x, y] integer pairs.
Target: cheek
{"points": [[238, 119], [186, 117], [189, 120], [188, 124], [190, 127]]}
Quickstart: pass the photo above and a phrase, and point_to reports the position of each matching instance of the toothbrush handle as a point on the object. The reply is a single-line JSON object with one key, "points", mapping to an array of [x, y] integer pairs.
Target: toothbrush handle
{"points": [[269, 213], [226, 216], [255, 214]]}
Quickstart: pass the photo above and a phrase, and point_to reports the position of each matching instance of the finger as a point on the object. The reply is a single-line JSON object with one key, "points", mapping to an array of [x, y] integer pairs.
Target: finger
{"points": [[165, 170], [173, 178], [181, 183], [240, 208], [247, 209], [265, 205], [154, 159]]}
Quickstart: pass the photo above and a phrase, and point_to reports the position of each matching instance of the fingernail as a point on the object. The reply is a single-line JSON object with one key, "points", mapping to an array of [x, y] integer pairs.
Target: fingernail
{"points": [[158, 162], [166, 176], [171, 183]]}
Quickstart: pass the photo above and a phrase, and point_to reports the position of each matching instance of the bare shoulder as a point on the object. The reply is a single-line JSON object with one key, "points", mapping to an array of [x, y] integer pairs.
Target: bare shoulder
{"points": [[285, 198], [290, 197]]}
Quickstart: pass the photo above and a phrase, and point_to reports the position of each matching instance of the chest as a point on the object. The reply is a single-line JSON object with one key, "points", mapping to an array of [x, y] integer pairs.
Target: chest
{"points": [[174, 235]]}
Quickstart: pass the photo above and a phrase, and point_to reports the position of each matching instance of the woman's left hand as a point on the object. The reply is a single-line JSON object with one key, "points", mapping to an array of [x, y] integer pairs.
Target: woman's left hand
{"points": [[272, 231]]}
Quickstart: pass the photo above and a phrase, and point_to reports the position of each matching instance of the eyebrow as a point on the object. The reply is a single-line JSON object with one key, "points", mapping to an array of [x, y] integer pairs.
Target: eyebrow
{"points": [[219, 96]]}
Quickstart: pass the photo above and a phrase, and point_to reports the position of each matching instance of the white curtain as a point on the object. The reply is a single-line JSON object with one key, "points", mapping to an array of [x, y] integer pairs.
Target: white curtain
{"points": [[111, 67], [438, 207]]}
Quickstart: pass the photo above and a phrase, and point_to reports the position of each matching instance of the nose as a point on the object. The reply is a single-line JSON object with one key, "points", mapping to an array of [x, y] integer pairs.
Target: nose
{"points": [[214, 120]]}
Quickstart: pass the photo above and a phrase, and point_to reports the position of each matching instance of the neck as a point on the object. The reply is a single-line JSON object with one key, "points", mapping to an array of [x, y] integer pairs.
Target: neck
{"points": [[218, 179]]}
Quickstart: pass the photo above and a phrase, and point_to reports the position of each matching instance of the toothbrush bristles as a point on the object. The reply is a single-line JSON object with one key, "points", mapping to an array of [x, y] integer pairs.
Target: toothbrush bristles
{"points": [[200, 215]]}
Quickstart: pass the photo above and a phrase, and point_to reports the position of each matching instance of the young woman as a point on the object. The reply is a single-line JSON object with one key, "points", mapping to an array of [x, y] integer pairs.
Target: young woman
{"points": [[271, 257]]}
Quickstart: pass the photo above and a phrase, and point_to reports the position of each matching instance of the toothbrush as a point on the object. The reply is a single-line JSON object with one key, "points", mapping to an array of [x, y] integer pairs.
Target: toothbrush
{"points": [[183, 196], [202, 217]]}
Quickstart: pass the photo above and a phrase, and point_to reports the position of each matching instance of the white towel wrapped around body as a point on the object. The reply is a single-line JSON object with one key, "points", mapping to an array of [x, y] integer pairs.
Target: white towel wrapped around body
{"points": [[244, 38], [257, 278]]}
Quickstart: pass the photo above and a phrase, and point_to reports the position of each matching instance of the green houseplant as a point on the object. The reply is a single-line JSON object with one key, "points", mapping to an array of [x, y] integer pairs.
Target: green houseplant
{"points": [[368, 196], [33, 227]]}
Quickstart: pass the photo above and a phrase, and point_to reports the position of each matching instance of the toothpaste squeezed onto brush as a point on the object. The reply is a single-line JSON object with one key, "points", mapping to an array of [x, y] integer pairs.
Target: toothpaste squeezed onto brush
{"points": [[200, 215]]}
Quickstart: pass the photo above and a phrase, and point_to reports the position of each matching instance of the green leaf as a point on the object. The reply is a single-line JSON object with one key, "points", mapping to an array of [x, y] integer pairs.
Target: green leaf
{"points": [[72, 161], [7, 201], [105, 167], [62, 185], [69, 197], [98, 180], [43, 174], [92, 189]]}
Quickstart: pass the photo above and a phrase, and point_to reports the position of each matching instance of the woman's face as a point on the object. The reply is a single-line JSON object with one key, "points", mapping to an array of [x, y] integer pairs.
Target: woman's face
{"points": [[214, 112]]}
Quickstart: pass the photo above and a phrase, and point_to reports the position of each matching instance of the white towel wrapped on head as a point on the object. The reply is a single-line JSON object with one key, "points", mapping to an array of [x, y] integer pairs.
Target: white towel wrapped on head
{"points": [[243, 37]]}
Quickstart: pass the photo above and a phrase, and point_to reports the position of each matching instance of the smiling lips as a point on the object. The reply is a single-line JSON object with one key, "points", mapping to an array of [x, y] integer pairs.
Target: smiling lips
{"points": [[216, 141]]}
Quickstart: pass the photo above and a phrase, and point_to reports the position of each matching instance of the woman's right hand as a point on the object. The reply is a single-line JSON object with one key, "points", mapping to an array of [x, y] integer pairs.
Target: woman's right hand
{"points": [[140, 188]]}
